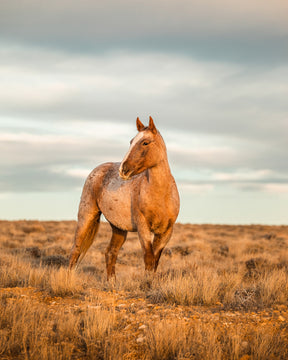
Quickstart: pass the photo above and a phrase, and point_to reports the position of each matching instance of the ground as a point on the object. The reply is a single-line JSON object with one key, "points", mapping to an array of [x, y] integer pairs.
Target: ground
{"points": [[221, 292]]}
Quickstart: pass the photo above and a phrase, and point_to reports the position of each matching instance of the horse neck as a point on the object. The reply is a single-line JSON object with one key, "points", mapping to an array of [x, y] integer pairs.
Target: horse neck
{"points": [[159, 176]]}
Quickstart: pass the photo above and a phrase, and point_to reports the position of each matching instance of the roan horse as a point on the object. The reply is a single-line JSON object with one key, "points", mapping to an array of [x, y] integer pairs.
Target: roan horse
{"points": [[140, 194]]}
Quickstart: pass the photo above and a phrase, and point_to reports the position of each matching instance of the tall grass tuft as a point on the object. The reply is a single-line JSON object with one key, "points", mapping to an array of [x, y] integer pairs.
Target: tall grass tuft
{"points": [[200, 286], [175, 340], [34, 332]]}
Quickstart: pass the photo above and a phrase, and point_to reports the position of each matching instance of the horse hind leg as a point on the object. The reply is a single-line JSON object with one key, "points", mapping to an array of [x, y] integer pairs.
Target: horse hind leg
{"points": [[117, 240], [86, 231]]}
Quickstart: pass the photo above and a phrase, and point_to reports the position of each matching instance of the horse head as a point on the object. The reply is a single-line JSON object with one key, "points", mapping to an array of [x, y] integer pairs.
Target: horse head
{"points": [[146, 150]]}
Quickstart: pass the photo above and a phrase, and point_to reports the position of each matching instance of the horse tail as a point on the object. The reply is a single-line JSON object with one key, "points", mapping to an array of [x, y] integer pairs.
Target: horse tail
{"points": [[84, 237]]}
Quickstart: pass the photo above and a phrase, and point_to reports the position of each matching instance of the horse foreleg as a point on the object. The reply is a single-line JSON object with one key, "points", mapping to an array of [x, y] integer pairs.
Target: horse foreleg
{"points": [[159, 243], [149, 258], [145, 238], [117, 240]]}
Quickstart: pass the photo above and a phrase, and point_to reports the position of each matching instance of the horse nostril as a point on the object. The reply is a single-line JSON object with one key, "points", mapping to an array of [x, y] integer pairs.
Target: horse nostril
{"points": [[124, 169]]}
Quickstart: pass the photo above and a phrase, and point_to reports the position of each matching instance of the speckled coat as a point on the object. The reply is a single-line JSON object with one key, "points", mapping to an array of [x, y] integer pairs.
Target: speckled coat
{"points": [[139, 194]]}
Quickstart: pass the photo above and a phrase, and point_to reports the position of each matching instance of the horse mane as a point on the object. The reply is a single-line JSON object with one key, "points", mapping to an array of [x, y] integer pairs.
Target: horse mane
{"points": [[147, 128]]}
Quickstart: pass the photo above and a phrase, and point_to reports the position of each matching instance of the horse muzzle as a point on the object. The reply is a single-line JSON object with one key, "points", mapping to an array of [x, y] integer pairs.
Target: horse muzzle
{"points": [[124, 172]]}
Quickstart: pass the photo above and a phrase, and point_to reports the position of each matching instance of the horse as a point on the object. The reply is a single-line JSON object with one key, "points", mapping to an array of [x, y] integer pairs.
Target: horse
{"points": [[137, 195]]}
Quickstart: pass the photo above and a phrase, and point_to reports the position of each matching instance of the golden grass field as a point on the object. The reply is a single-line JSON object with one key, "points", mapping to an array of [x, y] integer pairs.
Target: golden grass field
{"points": [[221, 292]]}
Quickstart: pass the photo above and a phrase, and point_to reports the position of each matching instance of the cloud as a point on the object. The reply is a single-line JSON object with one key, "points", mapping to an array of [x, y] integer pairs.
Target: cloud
{"points": [[79, 173], [36, 178], [248, 175], [241, 31], [195, 188], [199, 162], [50, 160], [276, 188], [200, 97], [24, 149]]}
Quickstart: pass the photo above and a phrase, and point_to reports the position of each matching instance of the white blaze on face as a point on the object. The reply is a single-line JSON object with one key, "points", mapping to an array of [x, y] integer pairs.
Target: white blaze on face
{"points": [[137, 138]]}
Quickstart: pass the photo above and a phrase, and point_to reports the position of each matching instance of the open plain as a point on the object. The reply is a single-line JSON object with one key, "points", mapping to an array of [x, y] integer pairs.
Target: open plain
{"points": [[220, 292]]}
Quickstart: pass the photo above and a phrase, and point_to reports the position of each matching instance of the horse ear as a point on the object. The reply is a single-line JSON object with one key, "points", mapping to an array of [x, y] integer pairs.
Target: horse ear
{"points": [[139, 125], [152, 126]]}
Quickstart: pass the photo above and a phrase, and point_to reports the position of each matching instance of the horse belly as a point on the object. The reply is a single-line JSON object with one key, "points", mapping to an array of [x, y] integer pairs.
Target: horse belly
{"points": [[115, 205]]}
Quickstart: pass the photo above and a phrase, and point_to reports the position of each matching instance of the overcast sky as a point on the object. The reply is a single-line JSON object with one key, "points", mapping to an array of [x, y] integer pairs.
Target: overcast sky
{"points": [[74, 75]]}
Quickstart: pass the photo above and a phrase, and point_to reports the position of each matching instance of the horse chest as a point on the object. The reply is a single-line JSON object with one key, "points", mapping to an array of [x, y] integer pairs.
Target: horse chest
{"points": [[158, 214], [159, 223]]}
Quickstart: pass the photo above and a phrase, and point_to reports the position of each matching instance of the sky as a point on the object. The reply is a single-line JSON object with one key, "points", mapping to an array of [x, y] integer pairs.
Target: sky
{"points": [[74, 76]]}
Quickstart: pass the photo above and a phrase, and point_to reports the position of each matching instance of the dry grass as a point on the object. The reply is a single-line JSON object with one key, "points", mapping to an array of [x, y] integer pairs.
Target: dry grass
{"points": [[221, 292], [36, 332], [176, 340], [205, 341]]}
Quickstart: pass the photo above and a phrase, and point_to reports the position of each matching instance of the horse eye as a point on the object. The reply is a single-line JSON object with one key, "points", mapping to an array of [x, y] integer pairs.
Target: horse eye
{"points": [[145, 143]]}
